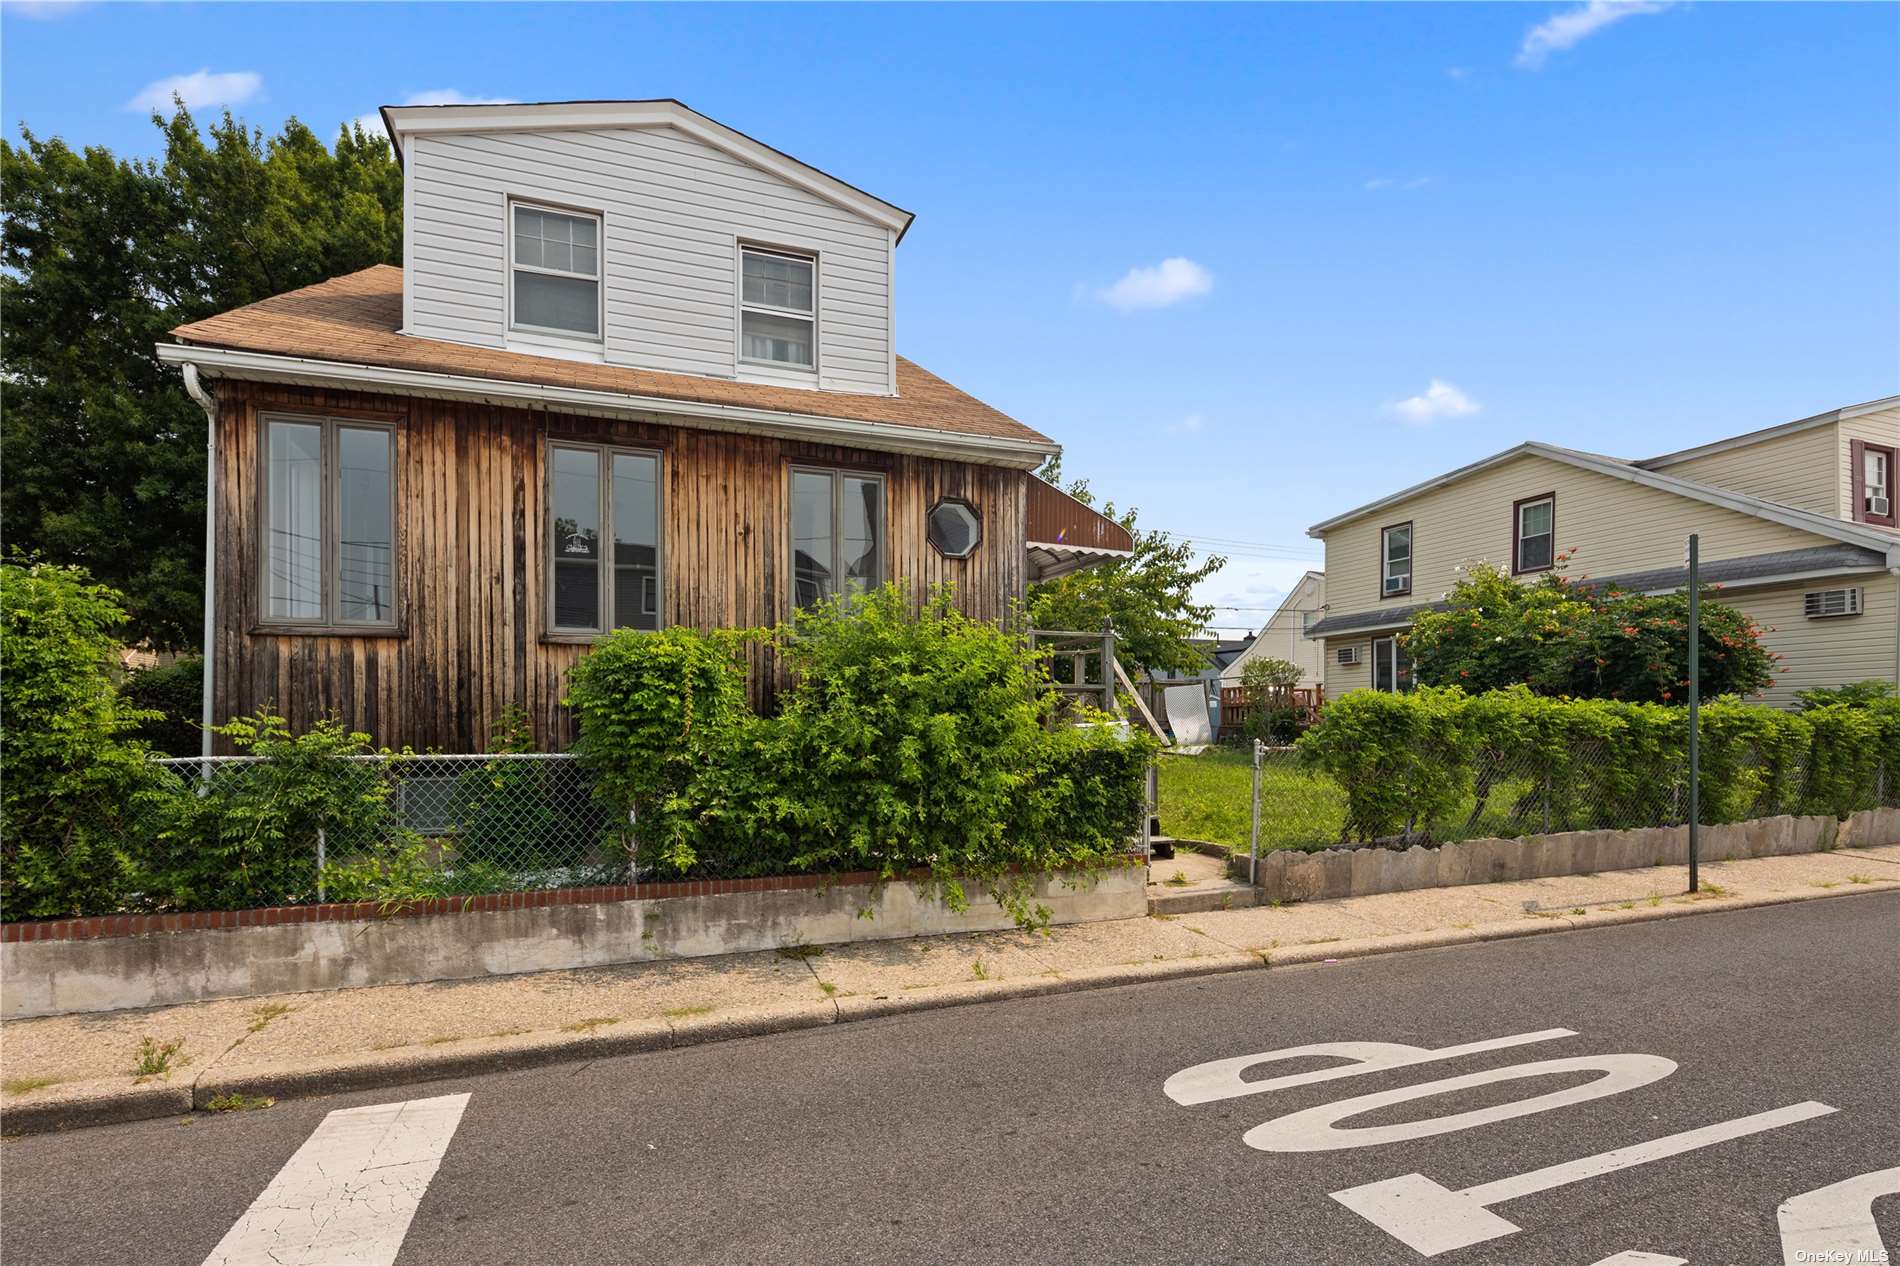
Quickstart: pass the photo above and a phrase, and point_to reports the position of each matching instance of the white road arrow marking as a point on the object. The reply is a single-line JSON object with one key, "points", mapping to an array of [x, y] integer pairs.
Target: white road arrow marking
{"points": [[1836, 1223], [348, 1195]]}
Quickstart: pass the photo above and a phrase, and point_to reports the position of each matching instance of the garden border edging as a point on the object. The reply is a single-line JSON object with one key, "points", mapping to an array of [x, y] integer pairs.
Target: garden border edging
{"points": [[1289, 875], [307, 949]]}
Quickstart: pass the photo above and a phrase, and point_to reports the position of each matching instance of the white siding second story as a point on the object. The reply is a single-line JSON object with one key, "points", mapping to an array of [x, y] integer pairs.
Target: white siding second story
{"points": [[643, 234]]}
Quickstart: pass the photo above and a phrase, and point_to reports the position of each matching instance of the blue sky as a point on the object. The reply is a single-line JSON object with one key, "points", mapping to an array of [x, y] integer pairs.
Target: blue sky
{"points": [[1252, 265]]}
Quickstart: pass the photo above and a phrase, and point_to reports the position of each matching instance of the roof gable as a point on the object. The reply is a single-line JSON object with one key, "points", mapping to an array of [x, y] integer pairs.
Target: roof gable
{"points": [[1615, 468], [403, 122]]}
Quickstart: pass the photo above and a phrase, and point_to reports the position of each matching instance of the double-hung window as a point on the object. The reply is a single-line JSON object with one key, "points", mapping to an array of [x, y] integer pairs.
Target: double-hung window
{"points": [[837, 534], [1873, 483], [603, 539], [1391, 666], [555, 271], [329, 553], [778, 308], [1395, 561], [1532, 544]]}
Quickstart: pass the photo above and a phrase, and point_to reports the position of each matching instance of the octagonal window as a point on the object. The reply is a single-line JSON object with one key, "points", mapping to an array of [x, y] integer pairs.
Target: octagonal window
{"points": [[955, 528]]}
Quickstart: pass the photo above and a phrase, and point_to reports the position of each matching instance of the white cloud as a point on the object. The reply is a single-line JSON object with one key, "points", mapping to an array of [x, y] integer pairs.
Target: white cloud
{"points": [[42, 10], [1161, 286], [1391, 182], [200, 88], [1188, 425], [1458, 72], [1440, 400], [1247, 590], [1572, 26], [372, 121]]}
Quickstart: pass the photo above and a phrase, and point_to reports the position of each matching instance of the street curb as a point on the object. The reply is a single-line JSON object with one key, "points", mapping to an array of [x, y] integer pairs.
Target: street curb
{"points": [[474, 1056]]}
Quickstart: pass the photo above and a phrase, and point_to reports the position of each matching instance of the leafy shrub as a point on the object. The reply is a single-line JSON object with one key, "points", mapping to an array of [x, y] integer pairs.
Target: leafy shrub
{"points": [[515, 815], [176, 693], [1266, 673], [1401, 757], [1857, 694], [249, 836], [908, 739], [1565, 638], [73, 771]]}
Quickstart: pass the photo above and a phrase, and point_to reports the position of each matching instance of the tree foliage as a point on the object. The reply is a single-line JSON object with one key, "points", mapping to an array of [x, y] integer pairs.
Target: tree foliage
{"points": [[1564, 637], [103, 256], [1149, 596]]}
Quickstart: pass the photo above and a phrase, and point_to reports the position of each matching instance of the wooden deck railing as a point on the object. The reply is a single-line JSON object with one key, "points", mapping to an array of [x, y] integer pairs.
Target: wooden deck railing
{"points": [[1237, 702]]}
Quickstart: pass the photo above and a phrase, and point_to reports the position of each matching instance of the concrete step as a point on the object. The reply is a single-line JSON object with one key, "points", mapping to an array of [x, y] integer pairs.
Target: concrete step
{"points": [[1200, 897]]}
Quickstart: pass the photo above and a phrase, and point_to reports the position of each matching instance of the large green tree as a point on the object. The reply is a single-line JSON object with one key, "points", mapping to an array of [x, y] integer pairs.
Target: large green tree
{"points": [[1562, 637], [1149, 596], [102, 255]]}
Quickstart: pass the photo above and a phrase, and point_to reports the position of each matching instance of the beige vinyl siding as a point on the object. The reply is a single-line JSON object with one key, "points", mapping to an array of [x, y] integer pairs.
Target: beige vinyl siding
{"points": [[673, 210], [1339, 678], [1826, 652], [1284, 636], [1871, 428], [1802, 469], [1613, 524]]}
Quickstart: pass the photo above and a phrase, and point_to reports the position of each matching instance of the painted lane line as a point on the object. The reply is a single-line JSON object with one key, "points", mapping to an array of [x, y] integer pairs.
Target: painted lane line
{"points": [[1634, 1257], [1317, 1129], [1220, 1078], [1836, 1223], [348, 1195], [1432, 1219]]}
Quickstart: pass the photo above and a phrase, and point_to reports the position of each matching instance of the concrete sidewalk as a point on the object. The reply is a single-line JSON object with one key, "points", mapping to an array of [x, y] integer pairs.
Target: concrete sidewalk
{"points": [[74, 1070]]}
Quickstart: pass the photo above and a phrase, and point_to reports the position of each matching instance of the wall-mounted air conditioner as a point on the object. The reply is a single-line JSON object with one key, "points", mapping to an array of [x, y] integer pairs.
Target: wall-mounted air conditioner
{"points": [[1351, 655], [1830, 602]]}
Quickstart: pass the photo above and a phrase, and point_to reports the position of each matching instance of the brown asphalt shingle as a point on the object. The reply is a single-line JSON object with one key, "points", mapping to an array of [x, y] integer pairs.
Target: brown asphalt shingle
{"points": [[355, 319]]}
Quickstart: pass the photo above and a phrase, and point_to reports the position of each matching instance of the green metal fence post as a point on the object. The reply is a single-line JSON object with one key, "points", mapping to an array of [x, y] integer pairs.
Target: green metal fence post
{"points": [[1695, 703], [1253, 846]]}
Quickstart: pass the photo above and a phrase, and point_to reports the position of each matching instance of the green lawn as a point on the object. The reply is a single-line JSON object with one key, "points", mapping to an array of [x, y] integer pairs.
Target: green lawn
{"points": [[1209, 797]]}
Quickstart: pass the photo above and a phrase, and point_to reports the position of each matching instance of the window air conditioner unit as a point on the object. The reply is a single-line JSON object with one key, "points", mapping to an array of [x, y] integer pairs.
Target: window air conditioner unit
{"points": [[1350, 655], [1829, 602], [1880, 506]]}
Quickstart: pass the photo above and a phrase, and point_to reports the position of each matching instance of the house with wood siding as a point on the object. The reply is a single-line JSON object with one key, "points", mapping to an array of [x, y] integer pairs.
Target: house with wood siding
{"points": [[1797, 525], [638, 369]]}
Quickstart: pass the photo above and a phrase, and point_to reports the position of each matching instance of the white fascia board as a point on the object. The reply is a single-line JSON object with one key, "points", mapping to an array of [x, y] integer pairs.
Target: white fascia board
{"points": [[1695, 490], [403, 122], [851, 432], [1787, 578]]}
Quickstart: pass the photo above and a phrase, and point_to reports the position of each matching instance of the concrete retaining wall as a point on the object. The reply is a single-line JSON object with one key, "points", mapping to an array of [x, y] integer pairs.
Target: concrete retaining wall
{"points": [[1286, 875], [161, 968]]}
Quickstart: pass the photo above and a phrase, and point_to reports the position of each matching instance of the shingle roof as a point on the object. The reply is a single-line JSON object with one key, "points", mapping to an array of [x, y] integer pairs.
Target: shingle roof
{"points": [[1816, 560], [354, 319]]}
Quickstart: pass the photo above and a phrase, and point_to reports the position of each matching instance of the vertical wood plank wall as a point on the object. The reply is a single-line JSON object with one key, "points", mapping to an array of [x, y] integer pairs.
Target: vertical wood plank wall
{"points": [[471, 550]]}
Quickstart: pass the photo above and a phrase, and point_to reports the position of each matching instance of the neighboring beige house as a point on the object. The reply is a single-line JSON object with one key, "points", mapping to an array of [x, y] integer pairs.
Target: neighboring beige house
{"points": [[1284, 636], [1797, 524]]}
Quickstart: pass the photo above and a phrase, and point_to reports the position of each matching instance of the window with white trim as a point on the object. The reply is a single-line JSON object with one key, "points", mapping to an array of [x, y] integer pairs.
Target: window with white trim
{"points": [[1395, 555], [1877, 481], [1391, 666], [837, 534], [1534, 548], [554, 271], [778, 308], [603, 539], [329, 556]]}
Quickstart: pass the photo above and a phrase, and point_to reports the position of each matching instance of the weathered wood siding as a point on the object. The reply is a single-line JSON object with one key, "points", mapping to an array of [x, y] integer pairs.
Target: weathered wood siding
{"points": [[471, 529]]}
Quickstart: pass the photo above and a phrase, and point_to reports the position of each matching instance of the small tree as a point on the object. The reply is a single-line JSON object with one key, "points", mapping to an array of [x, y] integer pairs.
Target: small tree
{"points": [[1267, 682], [1563, 637]]}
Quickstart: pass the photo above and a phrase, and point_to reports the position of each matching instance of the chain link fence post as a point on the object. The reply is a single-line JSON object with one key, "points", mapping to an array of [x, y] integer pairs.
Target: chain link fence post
{"points": [[1253, 841], [323, 858]]}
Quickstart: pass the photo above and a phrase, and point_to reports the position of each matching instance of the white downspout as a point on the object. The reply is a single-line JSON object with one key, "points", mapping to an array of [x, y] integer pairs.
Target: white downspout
{"points": [[197, 391]]}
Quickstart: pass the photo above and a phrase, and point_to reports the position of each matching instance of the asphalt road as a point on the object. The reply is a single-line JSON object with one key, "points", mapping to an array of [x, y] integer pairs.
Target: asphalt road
{"points": [[1039, 1131]]}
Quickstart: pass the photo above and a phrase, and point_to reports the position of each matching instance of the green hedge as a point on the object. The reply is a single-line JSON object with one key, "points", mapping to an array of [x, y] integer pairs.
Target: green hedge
{"points": [[1410, 764], [906, 740]]}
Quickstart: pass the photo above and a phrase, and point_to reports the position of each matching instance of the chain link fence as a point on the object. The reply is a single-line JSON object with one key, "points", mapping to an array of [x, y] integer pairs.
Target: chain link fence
{"points": [[485, 823], [1285, 803]]}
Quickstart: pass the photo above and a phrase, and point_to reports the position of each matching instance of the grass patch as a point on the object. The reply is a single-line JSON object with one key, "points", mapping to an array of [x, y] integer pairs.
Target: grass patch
{"points": [[262, 1016], [591, 1023], [26, 1085], [828, 987], [1178, 879], [1860, 879], [1828, 883], [439, 1039], [681, 1013], [1209, 797], [156, 1059], [979, 970], [240, 1103]]}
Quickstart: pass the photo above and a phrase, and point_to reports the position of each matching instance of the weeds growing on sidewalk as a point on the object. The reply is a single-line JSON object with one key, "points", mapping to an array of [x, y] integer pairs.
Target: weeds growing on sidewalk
{"points": [[155, 1058], [21, 1085], [240, 1103], [262, 1016], [590, 1024]]}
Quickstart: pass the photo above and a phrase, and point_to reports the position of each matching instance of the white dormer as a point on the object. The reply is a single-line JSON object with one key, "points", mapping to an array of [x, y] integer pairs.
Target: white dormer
{"points": [[640, 233]]}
